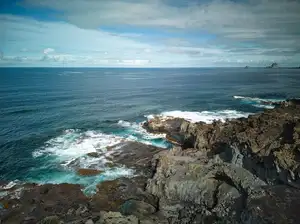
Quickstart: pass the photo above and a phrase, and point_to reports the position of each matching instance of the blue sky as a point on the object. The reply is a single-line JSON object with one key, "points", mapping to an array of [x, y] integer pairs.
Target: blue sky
{"points": [[149, 33]]}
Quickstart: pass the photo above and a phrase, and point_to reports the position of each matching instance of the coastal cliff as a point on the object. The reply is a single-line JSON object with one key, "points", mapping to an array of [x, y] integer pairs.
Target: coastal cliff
{"points": [[242, 170]]}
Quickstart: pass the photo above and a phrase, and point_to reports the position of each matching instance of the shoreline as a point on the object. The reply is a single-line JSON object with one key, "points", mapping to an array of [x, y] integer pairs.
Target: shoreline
{"points": [[229, 172]]}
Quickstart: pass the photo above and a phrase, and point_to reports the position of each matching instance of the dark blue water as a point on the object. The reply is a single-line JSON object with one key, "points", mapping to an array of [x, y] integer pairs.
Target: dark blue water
{"points": [[51, 116]]}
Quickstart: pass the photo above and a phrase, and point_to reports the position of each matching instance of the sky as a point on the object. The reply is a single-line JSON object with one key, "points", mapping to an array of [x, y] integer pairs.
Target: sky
{"points": [[149, 33]]}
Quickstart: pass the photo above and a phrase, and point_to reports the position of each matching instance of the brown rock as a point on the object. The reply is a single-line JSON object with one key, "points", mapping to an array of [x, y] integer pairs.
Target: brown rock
{"points": [[88, 172]]}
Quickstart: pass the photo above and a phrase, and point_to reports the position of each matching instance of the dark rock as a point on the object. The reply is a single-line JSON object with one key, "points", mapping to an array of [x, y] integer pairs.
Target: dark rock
{"points": [[137, 208], [132, 155], [135, 155], [264, 143], [112, 194], [277, 204], [273, 65], [29, 220], [50, 220], [187, 182], [47, 200], [94, 154]]}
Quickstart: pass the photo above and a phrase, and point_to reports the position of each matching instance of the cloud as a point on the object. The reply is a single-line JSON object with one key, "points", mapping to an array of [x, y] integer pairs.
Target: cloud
{"points": [[164, 32], [48, 50]]}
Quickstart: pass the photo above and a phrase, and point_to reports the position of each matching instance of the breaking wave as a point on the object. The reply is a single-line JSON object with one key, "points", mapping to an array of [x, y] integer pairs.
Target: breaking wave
{"points": [[68, 152], [204, 116], [258, 102]]}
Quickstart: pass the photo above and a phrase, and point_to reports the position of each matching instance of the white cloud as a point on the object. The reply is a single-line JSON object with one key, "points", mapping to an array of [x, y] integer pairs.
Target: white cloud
{"points": [[253, 32], [48, 50]]}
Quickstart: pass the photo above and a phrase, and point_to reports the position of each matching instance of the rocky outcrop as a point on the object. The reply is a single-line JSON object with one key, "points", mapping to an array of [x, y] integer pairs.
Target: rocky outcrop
{"points": [[273, 65], [34, 204], [266, 144], [188, 182], [240, 171], [133, 155]]}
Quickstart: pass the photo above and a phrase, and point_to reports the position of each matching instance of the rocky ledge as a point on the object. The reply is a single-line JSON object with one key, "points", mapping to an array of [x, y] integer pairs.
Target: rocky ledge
{"points": [[241, 171]]}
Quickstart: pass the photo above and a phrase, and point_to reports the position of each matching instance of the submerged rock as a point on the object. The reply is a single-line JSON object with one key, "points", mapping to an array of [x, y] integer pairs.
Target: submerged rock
{"points": [[88, 172]]}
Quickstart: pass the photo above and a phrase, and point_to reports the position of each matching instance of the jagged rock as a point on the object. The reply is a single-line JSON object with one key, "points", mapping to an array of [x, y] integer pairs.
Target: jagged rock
{"points": [[111, 195], [263, 143], [134, 155], [217, 189], [277, 204], [44, 201]]}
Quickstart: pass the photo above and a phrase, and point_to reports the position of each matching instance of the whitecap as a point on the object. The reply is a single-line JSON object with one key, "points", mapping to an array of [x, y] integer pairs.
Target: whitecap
{"points": [[264, 106], [204, 116], [135, 132], [259, 102], [73, 144]]}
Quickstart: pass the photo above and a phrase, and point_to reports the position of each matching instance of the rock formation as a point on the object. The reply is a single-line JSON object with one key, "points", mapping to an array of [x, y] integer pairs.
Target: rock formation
{"points": [[244, 170], [273, 65]]}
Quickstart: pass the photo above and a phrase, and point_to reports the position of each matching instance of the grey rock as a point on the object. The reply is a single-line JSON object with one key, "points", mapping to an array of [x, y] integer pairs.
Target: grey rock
{"points": [[134, 207], [116, 218], [89, 221], [50, 220]]}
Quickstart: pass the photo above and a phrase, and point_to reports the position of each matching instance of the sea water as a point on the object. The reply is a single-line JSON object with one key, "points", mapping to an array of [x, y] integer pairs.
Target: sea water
{"points": [[50, 117]]}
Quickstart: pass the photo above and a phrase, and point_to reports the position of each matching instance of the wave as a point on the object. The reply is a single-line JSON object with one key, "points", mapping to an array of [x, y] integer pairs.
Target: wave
{"points": [[89, 182], [68, 152], [259, 102], [73, 143], [204, 116]]}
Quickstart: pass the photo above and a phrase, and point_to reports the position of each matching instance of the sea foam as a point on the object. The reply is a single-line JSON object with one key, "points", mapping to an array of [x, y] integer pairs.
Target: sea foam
{"points": [[258, 102], [204, 116]]}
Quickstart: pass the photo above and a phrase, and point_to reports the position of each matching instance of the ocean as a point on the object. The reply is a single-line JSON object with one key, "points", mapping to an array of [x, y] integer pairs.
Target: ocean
{"points": [[50, 117]]}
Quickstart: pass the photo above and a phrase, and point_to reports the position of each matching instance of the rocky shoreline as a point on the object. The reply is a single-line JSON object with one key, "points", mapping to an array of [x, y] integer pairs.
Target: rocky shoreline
{"points": [[240, 171]]}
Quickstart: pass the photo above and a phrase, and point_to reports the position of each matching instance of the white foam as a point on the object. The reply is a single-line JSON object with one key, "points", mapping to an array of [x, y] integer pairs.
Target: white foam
{"points": [[264, 106], [73, 144], [204, 116], [256, 99], [10, 185], [136, 128]]}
